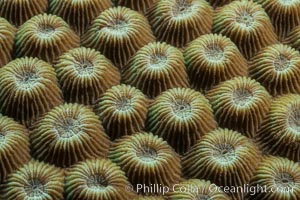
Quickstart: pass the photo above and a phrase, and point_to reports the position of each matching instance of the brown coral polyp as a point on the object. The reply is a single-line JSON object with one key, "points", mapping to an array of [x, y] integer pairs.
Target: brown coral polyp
{"points": [[79, 14], [7, 36], [19, 11], [85, 74], [211, 59], [146, 159], [69, 133], [178, 22], [155, 68], [280, 132], [277, 68], [240, 104], [45, 36], [117, 32], [246, 24], [141, 6], [122, 110], [180, 116], [29, 88]]}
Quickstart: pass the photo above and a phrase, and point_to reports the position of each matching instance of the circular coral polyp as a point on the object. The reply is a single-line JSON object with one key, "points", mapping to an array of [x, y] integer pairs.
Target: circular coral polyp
{"points": [[85, 74], [224, 157], [277, 68], [247, 25], [146, 159], [117, 32], [29, 88], [80, 13], [178, 22], [284, 15], [45, 36], [211, 59], [7, 36], [240, 104], [276, 174], [219, 3], [35, 180], [69, 133], [192, 189], [141, 6], [19, 11], [181, 116], [122, 110], [96, 179], [155, 68], [14, 146], [280, 132], [293, 38]]}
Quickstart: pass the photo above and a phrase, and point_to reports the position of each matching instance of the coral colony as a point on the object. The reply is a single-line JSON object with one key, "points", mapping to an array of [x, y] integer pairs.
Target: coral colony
{"points": [[149, 99]]}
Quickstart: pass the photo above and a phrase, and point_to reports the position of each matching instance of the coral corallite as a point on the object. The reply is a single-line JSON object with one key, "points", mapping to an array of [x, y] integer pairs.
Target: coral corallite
{"points": [[138, 5], [35, 180], [277, 68], [96, 179], [14, 146], [178, 22], [181, 116], [117, 32], [67, 134], [280, 132], [122, 110], [79, 14], [211, 59], [155, 68], [19, 11], [199, 189], [247, 25], [84, 75], [293, 38], [28, 88], [284, 15], [45, 36], [240, 104], [279, 177], [7, 36], [146, 159], [224, 157]]}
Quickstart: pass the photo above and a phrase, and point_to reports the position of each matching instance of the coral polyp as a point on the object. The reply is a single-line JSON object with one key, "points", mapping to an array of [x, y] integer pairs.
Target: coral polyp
{"points": [[247, 25], [35, 180], [120, 29], [277, 68], [96, 179], [293, 38], [7, 36], [200, 189], [69, 133], [79, 14], [280, 132], [240, 104], [181, 116], [211, 59], [284, 15], [28, 89], [14, 146], [122, 110], [178, 22], [276, 174], [146, 159], [45, 36], [85, 74], [19, 11], [155, 68], [224, 157], [141, 6]]}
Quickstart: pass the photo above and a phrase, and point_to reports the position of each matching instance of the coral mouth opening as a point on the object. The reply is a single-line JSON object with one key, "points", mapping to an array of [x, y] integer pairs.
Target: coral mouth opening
{"points": [[242, 96], [118, 25], [203, 197], [46, 30], [182, 108], [281, 63], [84, 67], [214, 53], [147, 154], [27, 79], [158, 61], [68, 128], [97, 181], [245, 19], [224, 153], [288, 2], [284, 180], [124, 104], [294, 120], [34, 188], [182, 8]]}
